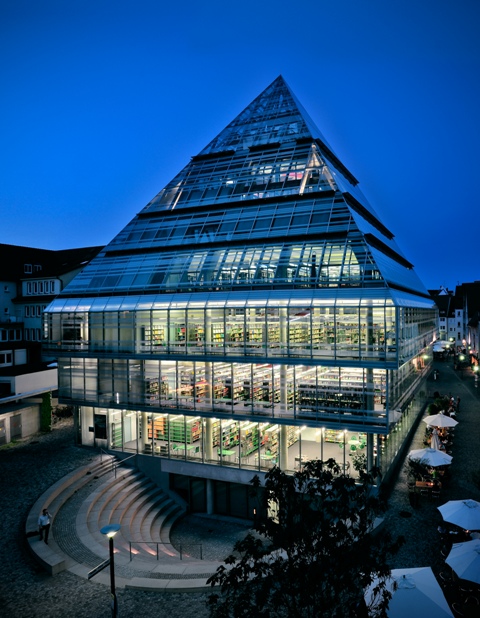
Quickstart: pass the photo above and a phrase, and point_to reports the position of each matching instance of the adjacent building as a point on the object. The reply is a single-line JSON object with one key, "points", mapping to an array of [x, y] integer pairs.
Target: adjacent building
{"points": [[255, 312], [30, 278], [459, 313]]}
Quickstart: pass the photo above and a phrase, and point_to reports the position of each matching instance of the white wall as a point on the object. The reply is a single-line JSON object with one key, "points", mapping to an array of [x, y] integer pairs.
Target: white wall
{"points": [[35, 381]]}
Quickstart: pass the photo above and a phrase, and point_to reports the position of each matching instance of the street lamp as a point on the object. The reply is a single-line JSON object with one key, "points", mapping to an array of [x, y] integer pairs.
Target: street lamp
{"points": [[110, 531]]}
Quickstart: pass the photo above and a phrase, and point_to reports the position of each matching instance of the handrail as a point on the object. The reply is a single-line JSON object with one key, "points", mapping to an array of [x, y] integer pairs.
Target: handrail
{"points": [[106, 453], [119, 462], [157, 544], [115, 461]]}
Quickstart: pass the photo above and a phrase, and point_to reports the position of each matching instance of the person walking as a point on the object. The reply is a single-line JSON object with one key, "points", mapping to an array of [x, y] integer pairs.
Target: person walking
{"points": [[44, 522]]}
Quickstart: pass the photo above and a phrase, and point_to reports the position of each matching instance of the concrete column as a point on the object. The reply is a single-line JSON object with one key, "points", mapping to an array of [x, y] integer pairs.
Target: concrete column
{"points": [[208, 439], [144, 430], [210, 497], [283, 388], [283, 329], [208, 329], [370, 458], [369, 342], [370, 397], [283, 447], [209, 385]]}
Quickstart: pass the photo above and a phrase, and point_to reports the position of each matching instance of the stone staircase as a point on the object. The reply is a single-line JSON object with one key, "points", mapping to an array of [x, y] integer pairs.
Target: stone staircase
{"points": [[103, 493]]}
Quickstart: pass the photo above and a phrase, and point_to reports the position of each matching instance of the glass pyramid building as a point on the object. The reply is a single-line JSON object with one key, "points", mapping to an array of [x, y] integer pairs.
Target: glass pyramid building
{"points": [[256, 311]]}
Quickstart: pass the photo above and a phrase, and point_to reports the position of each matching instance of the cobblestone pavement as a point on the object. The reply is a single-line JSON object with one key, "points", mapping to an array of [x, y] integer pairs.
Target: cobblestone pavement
{"points": [[29, 467]]}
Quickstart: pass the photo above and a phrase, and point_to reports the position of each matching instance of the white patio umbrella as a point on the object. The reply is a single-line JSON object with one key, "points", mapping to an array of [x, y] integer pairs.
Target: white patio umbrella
{"points": [[464, 558], [440, 420], [416, 594], [463, 513], [431, 457]]}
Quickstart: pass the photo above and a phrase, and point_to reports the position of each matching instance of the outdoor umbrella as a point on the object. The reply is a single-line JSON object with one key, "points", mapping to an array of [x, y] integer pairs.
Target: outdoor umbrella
{"points": [[431, 457], [464, 558], [435, 441], [463, 513], [416, 594], [440, 420]]}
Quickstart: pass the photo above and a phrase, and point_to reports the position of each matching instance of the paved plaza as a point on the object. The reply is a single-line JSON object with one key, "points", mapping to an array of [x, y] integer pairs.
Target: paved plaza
{"points": [[31, 466]]}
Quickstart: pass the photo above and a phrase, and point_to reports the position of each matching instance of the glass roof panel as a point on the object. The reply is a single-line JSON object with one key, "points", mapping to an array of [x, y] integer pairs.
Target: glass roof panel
{"points": [[265, 205]]}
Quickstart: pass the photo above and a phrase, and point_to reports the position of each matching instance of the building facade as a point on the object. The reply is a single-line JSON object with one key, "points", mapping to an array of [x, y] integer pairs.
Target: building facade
{"points": [[255, 312], [30, 278]]}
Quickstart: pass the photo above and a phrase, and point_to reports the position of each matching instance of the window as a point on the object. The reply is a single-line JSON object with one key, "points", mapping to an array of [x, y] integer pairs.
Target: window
{"points": [[27, 311], [6, 289], [39, 311], [29, 287], [40, 287], [5, 359], [52, 287], [27, 268], [38, 268]]}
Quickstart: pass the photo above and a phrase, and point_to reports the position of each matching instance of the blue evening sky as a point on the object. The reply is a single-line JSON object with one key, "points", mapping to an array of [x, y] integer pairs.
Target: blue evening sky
{"points": [[104, 101]]}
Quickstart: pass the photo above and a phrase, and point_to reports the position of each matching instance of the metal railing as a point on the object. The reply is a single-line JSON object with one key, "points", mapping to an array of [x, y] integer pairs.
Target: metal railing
{"points": [[116, 463], [181, 549]]}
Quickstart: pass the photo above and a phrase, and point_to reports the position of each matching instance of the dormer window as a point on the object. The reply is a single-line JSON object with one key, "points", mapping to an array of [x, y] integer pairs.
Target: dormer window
{"points": [[27, 269]]}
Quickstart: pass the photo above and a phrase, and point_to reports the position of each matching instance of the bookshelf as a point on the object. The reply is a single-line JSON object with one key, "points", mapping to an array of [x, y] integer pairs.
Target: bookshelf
{"points": [[230, 435], [196, 335], [152, 391], [154, 336], [160, 427], [250, 440], [116, 437], [218, 335]]}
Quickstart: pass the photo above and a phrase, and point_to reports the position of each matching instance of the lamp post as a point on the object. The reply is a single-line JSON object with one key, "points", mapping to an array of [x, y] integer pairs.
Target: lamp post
{"points": [[110, 531]]}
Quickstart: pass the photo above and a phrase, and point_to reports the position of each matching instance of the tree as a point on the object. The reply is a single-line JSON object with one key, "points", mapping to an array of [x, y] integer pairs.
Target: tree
{"points": [[313, 553], [46, 412]]}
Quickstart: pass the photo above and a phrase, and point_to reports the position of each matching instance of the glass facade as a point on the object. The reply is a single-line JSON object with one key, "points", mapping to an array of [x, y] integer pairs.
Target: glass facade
{"points": [[255, 312]]}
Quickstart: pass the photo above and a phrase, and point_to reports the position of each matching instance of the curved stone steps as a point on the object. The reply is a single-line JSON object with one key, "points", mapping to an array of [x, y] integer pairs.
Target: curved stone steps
{"points": [[50, 556], [110, 492], [149, 532], [130, 500], [85, 499], [135, 508], [120, 509], [163, 523]]}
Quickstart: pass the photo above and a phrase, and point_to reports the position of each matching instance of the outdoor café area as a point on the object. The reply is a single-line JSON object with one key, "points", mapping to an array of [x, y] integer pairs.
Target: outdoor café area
{"points": [[460, 539], [428, 468], [455, 589]]}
